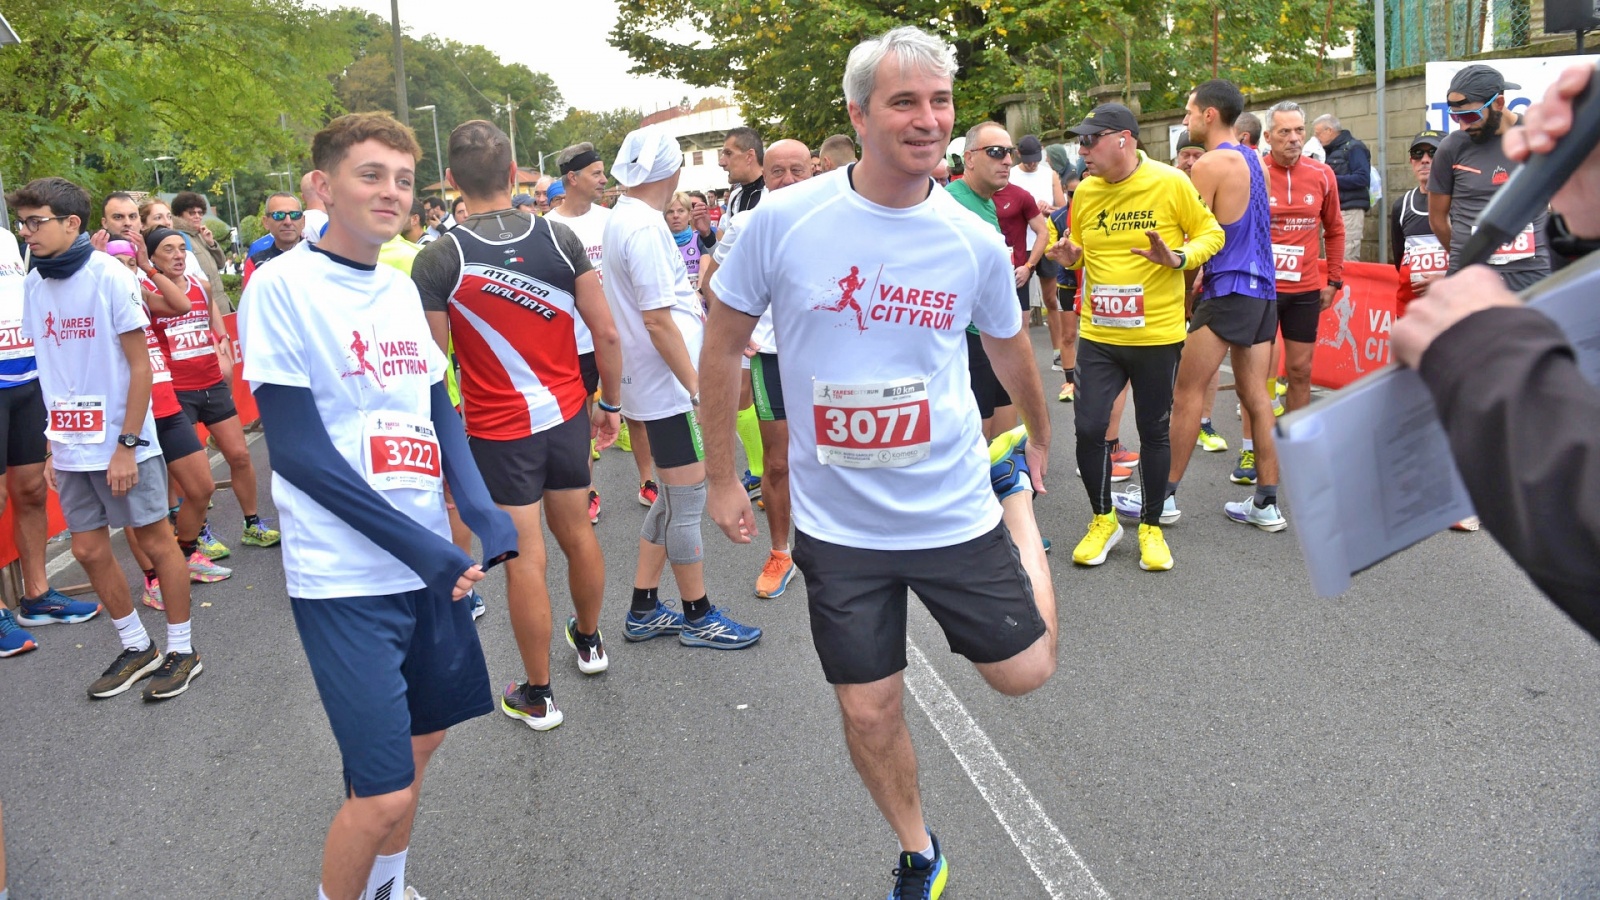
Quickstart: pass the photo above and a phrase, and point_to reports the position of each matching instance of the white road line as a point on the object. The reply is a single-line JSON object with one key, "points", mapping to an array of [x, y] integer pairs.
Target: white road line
{"points": [[65, 558], [1049, 854]]}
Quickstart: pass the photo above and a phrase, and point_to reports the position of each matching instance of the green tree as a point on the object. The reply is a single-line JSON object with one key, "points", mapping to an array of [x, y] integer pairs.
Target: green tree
{"points": [[785, 59], [463, 81], [605, 130], [96, 88]]}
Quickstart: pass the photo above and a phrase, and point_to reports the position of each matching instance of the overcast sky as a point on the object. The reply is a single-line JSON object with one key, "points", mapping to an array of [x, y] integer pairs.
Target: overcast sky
{"points": [[571, 48]]}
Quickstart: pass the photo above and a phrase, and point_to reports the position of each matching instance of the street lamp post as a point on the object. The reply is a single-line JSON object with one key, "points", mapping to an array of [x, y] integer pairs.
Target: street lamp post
{"points": [[158, 160], [280, 176], [437, 156]]}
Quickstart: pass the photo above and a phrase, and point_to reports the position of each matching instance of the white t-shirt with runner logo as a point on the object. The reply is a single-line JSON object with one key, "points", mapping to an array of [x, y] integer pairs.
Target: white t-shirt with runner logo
{"points": [[871, 306], [16, 351], [591, 229], [645, 271], [358, 339], [75, 324]]}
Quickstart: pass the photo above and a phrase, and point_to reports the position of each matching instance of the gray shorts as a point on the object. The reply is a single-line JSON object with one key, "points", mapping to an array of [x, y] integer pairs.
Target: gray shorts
{"points": [[89, 506]]}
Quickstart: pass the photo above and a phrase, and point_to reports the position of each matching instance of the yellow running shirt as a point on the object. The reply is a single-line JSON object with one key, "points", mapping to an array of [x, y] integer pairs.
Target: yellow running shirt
{"points": [[1127, 299]]}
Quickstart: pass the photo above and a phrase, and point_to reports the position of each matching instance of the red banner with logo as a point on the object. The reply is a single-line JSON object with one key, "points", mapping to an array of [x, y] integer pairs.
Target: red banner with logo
{"points": [[248, 415], [1353, 336]]}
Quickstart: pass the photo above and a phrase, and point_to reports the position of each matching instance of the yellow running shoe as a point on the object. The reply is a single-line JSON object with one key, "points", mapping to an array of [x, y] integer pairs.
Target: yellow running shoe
{"points": [[623, 442], [1153, 553], [1104, 533]]}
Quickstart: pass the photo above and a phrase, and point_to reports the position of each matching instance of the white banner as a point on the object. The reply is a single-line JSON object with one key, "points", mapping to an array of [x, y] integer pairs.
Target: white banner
{"points": [[1535, 75]]}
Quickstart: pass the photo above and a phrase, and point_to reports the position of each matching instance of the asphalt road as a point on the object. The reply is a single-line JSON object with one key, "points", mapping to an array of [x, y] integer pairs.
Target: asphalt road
{"points": [[1213, 731]]}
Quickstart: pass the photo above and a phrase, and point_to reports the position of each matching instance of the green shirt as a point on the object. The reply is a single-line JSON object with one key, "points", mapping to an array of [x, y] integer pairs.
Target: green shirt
{"points": [[967, 197]]}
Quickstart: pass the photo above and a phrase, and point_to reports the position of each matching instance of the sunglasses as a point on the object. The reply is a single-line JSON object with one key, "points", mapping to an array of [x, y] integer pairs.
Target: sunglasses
{"points": [[998, 151], [293, 215], [1087, 141], [1473, 116], [1417, 153]]}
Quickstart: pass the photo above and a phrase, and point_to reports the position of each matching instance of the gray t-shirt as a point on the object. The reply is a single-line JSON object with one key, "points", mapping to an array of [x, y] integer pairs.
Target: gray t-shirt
{"points": [[1470, 173], [438, 266]]}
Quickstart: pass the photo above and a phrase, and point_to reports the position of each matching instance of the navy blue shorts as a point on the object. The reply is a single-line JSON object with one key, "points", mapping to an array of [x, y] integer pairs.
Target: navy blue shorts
{"points": [[388, 668]]}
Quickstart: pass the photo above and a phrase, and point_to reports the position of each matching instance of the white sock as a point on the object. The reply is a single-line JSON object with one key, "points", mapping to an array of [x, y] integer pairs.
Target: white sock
{"points": [[1249, 444], [388, 878], [178, 637], [131, 632], [322, 895]]}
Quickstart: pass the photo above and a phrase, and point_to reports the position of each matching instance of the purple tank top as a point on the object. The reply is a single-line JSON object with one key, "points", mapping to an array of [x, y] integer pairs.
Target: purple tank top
{"points": [[1244, 264]]}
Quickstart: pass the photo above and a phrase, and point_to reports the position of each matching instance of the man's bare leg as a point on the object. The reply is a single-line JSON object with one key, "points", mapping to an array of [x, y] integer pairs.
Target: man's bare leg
{"points": [[24, 489], [1297, 362], [1203, 353], [365, 827], [568, 515], [775, 482], [527, 594], [880, 747], [653, 557]]}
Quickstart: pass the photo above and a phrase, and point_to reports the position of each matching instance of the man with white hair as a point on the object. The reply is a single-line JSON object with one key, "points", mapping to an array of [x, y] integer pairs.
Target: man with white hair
{"points": [[872, 275], [658, 317]]}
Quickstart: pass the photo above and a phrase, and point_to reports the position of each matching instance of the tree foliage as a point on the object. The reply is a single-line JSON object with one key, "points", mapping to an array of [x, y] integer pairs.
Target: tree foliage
{"points": [[96, 88], [785, 59], [463, 81]]}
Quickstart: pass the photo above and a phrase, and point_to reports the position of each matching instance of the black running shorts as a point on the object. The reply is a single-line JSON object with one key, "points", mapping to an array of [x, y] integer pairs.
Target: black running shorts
{"points": [[986, 387], [208, 406], [675, 441], [518, 472], [1238, 319], [1299, 315], [590, 373], [177, 437], [22, 424], [977, 592], [767, 387]]}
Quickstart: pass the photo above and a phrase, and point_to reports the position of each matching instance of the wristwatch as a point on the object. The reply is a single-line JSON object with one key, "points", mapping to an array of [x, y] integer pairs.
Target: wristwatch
{"points": [[607, 407], [694, 399], [1183, 259], [132, 440], [1336, 285]]}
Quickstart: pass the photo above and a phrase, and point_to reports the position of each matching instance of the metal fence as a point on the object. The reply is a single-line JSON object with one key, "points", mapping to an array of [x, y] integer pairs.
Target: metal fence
{"points": [[1419, 31]]}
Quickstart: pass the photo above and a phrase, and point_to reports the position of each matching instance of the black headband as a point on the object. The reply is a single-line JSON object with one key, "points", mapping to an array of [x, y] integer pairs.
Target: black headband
{"points": [[155, 237], [580, 162]]}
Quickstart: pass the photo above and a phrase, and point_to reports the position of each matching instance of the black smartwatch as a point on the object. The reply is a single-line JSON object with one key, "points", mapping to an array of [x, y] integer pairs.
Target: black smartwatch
{"points": [[132, 440]]}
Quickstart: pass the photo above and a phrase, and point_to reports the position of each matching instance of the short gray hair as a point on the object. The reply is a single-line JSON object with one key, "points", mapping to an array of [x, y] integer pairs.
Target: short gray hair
{"points": [[1286, 106], [908, 43], [1330, 120]]}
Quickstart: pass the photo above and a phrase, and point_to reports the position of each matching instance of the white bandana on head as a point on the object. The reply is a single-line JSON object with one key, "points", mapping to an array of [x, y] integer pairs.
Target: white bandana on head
{"points": [[647, 155]]}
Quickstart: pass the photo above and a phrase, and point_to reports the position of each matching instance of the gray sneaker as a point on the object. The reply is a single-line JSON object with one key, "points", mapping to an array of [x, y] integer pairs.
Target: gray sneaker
{"points": [[1247, 513], [172, 679], [131, 665]]}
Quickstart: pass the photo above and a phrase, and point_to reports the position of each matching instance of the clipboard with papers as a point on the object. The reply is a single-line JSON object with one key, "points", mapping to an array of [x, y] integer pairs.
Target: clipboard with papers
{"points": [[1370, 471]]}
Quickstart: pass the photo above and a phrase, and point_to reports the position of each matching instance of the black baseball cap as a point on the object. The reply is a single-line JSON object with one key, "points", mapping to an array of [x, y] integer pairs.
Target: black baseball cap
{"points": [[1479, 82], [1107, 117], [1031, 150], [1429, 138], [1185, 140]]}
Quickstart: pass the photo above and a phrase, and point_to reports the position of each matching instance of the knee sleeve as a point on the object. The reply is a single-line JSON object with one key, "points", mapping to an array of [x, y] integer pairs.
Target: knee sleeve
{"points": [[654, 529], [686, 503]]}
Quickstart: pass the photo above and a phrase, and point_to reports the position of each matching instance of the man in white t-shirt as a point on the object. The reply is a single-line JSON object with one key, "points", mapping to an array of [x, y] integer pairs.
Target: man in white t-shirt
{"points": [[84, 317], [787, 162], [659, 318], [583, 175], [872, 274], [351, 390]]}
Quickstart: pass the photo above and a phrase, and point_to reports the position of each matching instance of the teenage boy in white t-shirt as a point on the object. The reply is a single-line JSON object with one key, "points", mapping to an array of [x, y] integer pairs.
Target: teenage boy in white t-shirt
{"points": [[351, 390], [658, 316], [84, 317], [872, 273]]}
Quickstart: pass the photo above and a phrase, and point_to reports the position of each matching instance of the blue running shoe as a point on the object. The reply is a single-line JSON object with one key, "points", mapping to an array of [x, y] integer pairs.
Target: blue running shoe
{"points": [[663, 620], [55, 608], [752, 485], [716, 630], [1008, 463], [478, 609], [13, 638], [917, 879]]}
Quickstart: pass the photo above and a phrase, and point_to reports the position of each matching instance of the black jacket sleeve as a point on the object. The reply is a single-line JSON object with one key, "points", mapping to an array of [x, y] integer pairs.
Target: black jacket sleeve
{"points": [[1397, 237], [1355, 184], [1524, 427], [301, 450]]}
